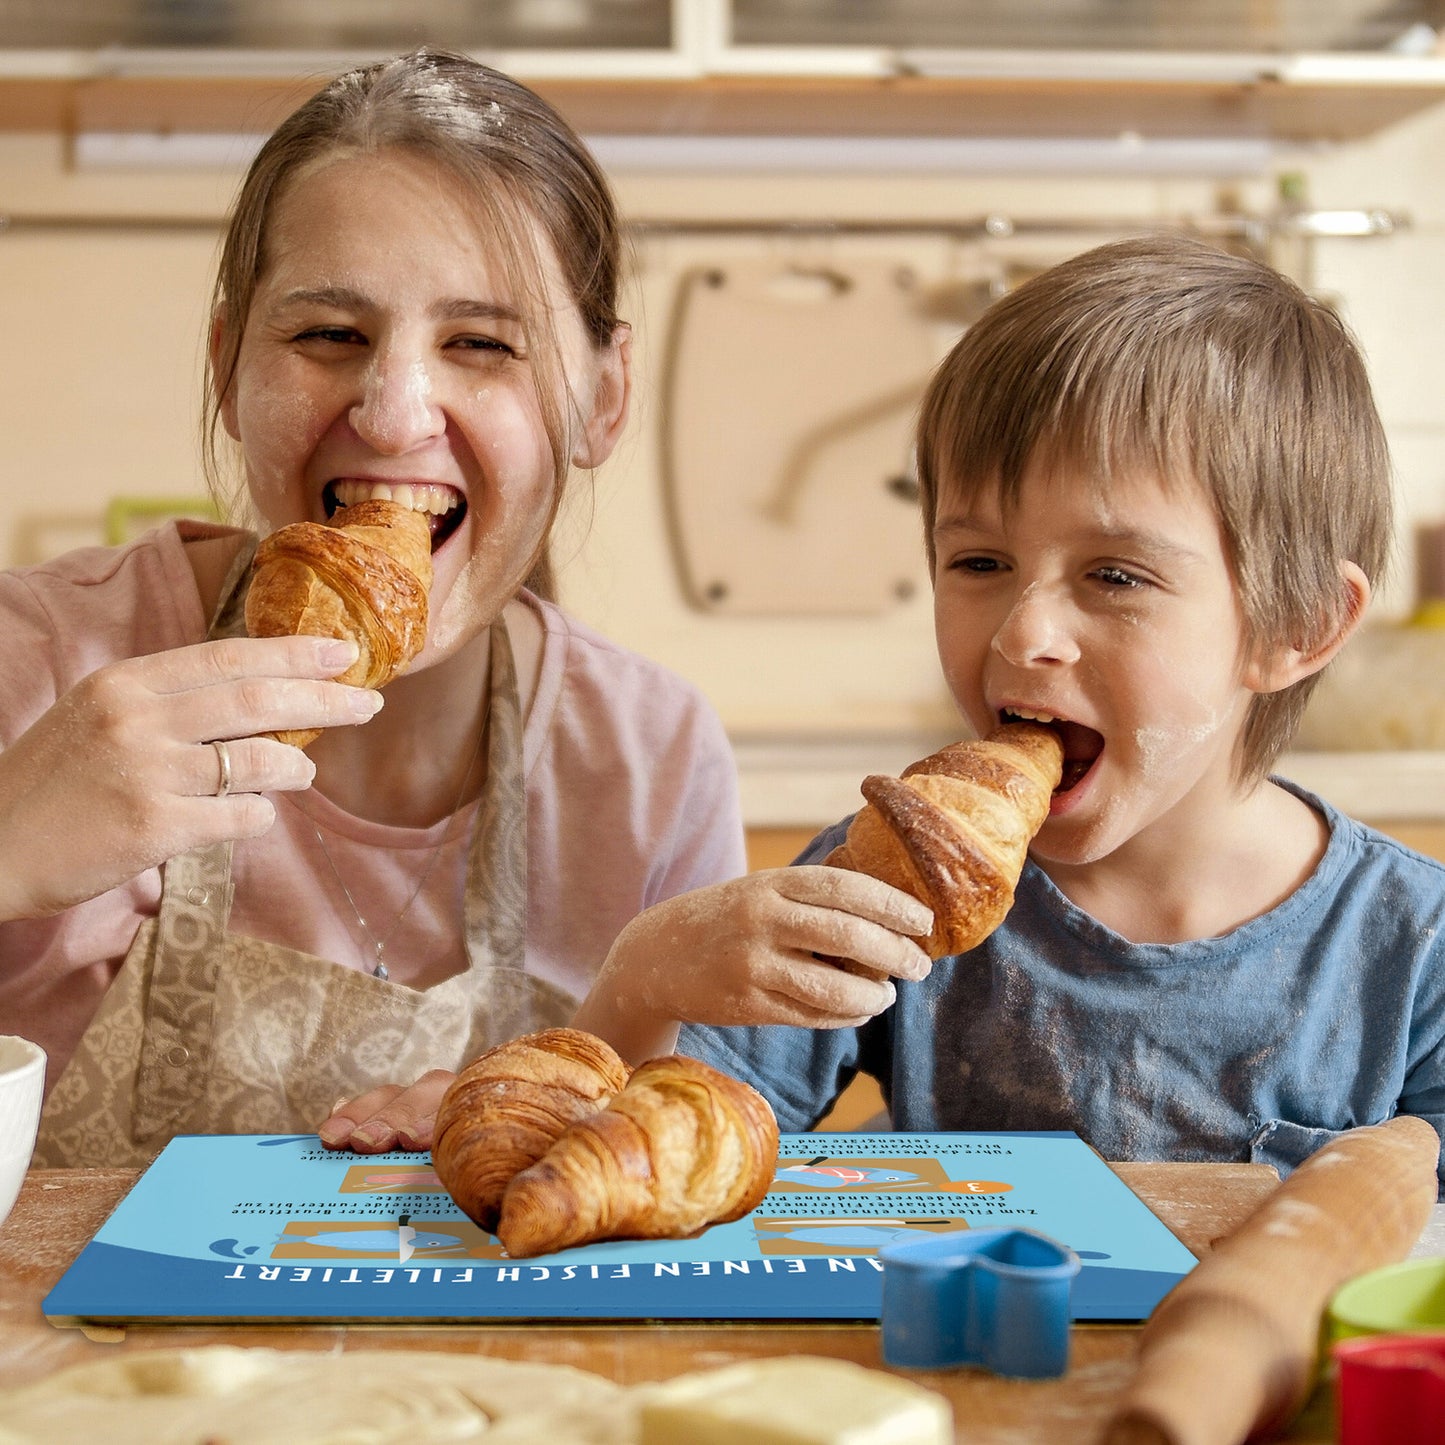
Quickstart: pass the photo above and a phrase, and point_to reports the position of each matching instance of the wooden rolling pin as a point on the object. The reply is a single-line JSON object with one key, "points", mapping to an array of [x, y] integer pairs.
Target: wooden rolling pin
{"points": [[1230, 1353]]}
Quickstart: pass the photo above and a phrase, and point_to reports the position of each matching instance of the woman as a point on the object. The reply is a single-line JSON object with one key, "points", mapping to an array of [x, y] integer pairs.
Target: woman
{"points": [[210, 930]]}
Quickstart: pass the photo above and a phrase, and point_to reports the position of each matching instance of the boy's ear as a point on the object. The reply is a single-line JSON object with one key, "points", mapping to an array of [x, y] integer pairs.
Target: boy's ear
{"points": [[1277, 668], [611, 396], [228, 402]]}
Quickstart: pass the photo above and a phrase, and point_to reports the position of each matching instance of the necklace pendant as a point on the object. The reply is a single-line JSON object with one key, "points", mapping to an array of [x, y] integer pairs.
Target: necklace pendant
{"points": [[380, 969]]}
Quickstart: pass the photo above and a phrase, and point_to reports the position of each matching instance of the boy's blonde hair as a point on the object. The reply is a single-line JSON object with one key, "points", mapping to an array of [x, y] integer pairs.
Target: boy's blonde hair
{"points": [[1166, 357]]}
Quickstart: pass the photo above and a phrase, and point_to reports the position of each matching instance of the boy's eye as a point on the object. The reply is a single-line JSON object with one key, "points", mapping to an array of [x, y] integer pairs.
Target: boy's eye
{"points": [[1118, 577], [975, 564]]}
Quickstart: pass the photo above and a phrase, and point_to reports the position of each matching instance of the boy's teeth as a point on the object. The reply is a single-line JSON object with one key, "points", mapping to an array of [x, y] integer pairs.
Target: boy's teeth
{"points": [[423, 497], [1025, 715]]}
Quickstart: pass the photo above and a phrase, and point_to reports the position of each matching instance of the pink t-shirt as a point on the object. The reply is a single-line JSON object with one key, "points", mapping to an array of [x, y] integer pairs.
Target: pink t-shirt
{"points": [[631, 798]]}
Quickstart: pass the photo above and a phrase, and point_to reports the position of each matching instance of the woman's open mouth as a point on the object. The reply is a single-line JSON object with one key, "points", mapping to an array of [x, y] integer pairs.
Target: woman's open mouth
{"points": [[1082, 745], [444, 506]]}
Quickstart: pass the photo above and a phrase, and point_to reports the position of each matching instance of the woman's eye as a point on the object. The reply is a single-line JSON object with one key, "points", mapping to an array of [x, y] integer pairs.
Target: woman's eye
{"points": [[485, 344], [339, 335]]}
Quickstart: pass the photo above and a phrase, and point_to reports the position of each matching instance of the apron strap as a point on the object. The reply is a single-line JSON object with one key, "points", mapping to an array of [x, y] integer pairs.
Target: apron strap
{"points": [[176, 1042], [496, 892], [195, 907], [229, 618]]}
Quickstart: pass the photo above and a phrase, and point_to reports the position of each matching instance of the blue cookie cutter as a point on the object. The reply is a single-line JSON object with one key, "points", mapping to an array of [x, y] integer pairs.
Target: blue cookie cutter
{"points": [[998, 1298]]}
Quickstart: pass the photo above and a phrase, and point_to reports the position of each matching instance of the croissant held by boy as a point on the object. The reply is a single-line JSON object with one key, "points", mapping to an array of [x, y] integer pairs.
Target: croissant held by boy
{"points": [[954, 830]]}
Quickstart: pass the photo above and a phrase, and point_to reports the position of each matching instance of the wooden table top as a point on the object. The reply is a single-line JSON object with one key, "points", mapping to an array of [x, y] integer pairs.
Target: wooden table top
{"points": [[59, 1211]]}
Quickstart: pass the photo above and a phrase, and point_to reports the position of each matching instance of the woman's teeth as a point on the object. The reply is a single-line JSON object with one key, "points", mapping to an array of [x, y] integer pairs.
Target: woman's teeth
{"points": [[420, 497]]}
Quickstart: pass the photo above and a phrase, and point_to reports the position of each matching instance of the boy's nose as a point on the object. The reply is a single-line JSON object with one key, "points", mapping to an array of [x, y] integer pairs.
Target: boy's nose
{"points": [[396, 410], [1036, 631]]}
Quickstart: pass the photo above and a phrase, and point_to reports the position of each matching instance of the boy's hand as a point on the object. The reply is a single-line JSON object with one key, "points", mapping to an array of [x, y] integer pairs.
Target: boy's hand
{"points": [[812, 946]]}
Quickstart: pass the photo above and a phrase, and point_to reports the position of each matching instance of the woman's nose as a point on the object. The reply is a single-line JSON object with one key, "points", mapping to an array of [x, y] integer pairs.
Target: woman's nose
{"points": [[396, 410], [1036, 630]]}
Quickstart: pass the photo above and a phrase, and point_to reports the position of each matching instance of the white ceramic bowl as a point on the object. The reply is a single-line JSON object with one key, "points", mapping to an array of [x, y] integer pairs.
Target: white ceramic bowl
{"points": [[22, 1082]]}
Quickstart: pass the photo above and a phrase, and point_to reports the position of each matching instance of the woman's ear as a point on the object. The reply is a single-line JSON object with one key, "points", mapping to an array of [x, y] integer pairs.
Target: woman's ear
{"points": [[611, 396], [1277, 668], [214, 348]]}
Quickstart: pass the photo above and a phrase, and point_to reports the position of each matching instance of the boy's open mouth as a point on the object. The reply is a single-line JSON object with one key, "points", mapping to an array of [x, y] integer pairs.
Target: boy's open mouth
{"points": [[1082, 745], [444, 506]]}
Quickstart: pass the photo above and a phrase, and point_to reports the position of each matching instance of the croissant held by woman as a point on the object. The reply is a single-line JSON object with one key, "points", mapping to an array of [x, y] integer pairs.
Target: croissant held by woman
{"points": [[364, 575], [955, 829], [548, 1143]]}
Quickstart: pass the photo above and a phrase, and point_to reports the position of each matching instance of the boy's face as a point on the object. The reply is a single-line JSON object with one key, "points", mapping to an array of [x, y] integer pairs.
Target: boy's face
{"points": [[1113, 609]]}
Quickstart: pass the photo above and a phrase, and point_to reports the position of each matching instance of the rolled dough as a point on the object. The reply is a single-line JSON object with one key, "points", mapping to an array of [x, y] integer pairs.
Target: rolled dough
{"points": [[228, 1395]]}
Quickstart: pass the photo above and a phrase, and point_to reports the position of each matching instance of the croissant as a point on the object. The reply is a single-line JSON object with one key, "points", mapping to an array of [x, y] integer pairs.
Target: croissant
{"points": [[508, 1106], [681, 1147], [955, 829], [364, 575]]}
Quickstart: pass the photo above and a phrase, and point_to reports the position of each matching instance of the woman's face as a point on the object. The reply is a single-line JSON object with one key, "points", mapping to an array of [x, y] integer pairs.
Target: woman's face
{"points": [[385, 356]]}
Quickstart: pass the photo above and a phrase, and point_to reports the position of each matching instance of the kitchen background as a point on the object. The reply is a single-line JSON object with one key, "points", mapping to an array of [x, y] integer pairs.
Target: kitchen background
{"points": [[823, 193]]}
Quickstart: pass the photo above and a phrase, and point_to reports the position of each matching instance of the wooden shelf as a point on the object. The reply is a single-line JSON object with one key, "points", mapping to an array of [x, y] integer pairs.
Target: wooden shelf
{"points": [[1279, 108]]}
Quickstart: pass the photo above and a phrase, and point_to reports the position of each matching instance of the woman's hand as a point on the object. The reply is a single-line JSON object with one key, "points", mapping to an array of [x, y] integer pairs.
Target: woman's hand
{"points": [[120, 774], [394, 1116], [814, 946]]}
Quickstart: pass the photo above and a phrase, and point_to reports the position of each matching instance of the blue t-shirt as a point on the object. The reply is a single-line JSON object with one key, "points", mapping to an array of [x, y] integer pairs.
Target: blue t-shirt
{"points": [[1261, 1045]]}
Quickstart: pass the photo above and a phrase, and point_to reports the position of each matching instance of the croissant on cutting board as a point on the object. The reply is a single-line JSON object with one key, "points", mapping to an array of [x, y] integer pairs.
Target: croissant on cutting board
{"points": [[510, 1105], [364, 575], [955, 829], [574, 1150], [681, 1147]]}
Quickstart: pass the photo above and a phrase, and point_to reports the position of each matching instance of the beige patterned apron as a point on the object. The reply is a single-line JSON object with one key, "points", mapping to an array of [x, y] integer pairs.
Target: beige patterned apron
{"points": [[208, 1032]]}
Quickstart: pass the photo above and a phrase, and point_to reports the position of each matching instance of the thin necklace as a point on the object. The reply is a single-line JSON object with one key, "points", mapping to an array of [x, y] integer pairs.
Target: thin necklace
{"points": [[379, 944]]}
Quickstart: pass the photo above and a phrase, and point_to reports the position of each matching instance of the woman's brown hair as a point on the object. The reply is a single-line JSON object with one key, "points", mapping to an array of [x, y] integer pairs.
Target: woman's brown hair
{"points": [[520, 161]]}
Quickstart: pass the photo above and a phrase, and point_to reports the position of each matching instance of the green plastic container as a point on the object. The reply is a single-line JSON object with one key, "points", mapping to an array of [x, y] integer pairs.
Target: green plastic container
{"points": [[1401, 1299]]}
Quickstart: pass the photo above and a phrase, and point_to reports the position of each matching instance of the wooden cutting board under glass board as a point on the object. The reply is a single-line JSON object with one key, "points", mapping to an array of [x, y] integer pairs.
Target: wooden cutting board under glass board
{"points": [[790, 399]]}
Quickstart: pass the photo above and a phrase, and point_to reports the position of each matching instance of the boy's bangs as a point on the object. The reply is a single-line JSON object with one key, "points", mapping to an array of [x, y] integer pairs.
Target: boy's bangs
{"points": [[1097, 422]]}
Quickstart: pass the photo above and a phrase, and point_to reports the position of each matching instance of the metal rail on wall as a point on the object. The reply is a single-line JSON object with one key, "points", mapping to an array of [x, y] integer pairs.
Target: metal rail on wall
{"points": [[1241, 226], [1255, 229]]}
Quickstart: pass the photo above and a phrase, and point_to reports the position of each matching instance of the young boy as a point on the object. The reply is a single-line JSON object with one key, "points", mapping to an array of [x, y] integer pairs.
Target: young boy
{"points": [[1156, 496]]}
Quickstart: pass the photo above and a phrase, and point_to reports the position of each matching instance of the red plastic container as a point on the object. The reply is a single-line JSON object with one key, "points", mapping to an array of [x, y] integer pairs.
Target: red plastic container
{"points": [[1390, 1390]]}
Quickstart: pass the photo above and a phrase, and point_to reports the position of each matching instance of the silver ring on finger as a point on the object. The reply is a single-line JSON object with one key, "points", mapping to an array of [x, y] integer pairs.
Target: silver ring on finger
{"points": [[223, 758]]}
